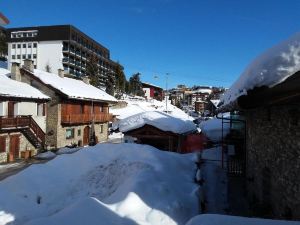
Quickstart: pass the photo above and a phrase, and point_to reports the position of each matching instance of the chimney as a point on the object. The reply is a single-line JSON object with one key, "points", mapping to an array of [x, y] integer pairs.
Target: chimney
{"points": [[86, 79], [61, 73], [28, 65], [15, 71]]}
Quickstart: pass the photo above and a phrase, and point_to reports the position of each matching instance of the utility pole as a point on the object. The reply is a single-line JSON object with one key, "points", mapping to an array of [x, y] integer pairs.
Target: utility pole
{"points": [[167, 74]]}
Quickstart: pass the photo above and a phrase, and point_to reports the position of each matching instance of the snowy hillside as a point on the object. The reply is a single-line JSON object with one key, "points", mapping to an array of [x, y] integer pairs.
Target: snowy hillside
{"points": [[140, 105], [105, 184]]}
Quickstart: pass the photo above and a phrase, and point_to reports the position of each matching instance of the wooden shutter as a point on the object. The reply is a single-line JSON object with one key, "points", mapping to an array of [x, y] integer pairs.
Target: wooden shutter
{"points": [[2, 143]]}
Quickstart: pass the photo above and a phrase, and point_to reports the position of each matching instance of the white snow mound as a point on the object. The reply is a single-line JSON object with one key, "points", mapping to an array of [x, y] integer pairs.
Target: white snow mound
{"points": [[269, 69], [160, 120], [105, 184]]}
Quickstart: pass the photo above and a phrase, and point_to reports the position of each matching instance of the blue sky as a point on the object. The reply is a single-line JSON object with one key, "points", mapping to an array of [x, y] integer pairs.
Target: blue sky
{"points": [[198, 42]]}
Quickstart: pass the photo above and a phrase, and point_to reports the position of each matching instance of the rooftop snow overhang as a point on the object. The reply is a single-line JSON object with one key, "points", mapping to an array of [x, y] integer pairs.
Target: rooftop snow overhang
{"points": [[62, 94], [283, 93]]}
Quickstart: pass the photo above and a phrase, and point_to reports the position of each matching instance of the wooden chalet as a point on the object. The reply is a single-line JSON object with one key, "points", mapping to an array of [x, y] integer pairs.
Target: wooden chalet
{"points": [[78, 113], [22, 119]]}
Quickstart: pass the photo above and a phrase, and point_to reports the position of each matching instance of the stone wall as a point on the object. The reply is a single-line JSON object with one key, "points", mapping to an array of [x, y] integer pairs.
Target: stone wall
{"points": [[273, 160], [24, 145], [79, 132]]}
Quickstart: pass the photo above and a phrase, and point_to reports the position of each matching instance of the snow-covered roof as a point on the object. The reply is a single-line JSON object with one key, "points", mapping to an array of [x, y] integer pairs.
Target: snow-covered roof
{"points": [[160, 120], [152, 85], [202, 90], [269, 69], [74, 89], [12, 88]]}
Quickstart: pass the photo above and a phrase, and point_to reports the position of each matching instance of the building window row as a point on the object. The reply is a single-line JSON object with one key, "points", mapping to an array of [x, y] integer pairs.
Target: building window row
{"points": [[21, 34], [24, 56], [24, 45]]}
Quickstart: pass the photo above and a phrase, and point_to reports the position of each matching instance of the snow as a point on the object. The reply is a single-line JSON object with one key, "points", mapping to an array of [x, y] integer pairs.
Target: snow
{"points": [[214, 219], [203, 90], [12, 88], [269, 69], [135, 106], [160, 120], [46, 155], [215, 102], [215, 180], [75, 89], [213, 129], [67, 150], [104, 184]]}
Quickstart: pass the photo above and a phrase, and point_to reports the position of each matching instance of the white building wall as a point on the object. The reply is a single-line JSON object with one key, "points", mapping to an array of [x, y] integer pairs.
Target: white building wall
{"points": [[21, 51], [30, 108], [50, 53], [3, 108], [147, 92]]}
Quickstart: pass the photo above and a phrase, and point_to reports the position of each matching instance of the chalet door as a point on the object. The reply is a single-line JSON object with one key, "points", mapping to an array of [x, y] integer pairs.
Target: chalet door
{"points": [[14, 147], [86, 135], [11, 109]]}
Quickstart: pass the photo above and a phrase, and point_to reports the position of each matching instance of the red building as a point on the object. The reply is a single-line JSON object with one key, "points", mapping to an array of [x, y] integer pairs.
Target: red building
{"points": [[152, 91]]}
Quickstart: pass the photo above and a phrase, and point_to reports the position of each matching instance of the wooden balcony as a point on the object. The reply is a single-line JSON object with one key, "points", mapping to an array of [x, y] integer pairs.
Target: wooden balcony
{"points": [[85, 118], [22, 123]]}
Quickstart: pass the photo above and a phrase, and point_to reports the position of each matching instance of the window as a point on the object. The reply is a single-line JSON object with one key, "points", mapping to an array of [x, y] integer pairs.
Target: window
{"points": [[19, 45], [34, 56], [13, 46], [101, 129], [29, 35], [24, 45], [13, 35], [24, 56], [2, 144], [29, 45], [69, 133], [13, 57], [34, 45], [41, 109], [78, 132], [18, 56], [24, 34], [34, 66], [29, 56]]}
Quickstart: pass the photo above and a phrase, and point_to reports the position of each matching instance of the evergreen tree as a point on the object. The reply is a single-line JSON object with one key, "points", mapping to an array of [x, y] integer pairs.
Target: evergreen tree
{"points": [[135, 85], [120, 81], [110, 84], [3, 45], [92, 70]]}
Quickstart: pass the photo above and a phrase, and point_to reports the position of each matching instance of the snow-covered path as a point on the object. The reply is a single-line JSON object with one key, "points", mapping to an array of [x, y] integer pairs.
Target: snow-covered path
{"points": [[215, 182]]}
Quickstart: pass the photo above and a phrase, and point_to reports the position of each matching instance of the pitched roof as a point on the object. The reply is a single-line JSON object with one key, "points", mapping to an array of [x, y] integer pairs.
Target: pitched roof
{"points": [[72, 88], [160, 120], [12, 88]]}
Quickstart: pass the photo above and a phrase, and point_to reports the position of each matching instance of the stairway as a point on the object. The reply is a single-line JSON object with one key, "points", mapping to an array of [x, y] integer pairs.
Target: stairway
{"points": [[32, 138]]}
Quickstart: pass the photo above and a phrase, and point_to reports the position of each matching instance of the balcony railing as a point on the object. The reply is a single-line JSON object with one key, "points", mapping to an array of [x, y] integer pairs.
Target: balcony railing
{"points": [[19, 122], [86, 118]]}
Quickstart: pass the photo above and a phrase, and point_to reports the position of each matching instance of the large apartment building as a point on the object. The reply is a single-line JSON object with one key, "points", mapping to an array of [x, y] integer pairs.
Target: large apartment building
{"points": [[58, 47]]}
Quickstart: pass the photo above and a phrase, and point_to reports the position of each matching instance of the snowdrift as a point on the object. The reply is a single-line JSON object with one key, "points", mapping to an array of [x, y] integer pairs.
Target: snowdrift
{"points": [[104, 184]]}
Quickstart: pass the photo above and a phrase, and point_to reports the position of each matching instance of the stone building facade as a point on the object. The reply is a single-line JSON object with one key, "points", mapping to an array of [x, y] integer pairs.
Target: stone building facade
{"points": [[273, 160], [59, 132]]}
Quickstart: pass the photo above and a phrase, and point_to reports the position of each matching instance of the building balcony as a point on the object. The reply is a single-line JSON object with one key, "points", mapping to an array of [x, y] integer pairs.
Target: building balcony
{"points": [[85, 118]]}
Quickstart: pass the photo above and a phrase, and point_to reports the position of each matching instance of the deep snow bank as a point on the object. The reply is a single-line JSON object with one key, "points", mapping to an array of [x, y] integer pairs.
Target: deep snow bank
{"points": [[104, 184], [214, 219]]}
